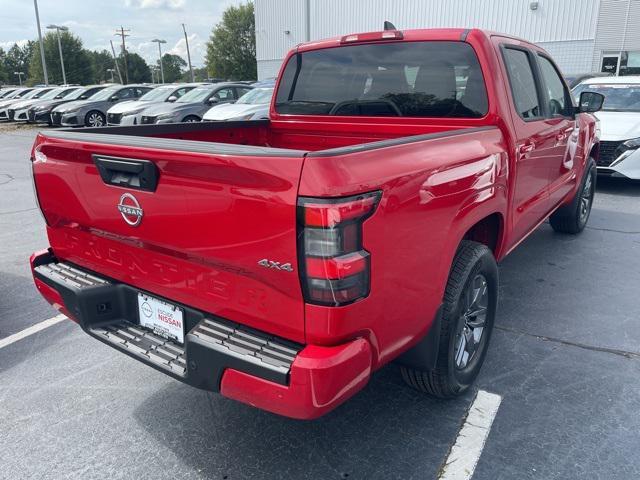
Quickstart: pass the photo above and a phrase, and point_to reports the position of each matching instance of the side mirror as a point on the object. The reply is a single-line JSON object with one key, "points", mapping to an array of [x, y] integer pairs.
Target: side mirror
{"points": [[83, 97], [590, 102], [114, 98], [172, 98], [212, 100]]}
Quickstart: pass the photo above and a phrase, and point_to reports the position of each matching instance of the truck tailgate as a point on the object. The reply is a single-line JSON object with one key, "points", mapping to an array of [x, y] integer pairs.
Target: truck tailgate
{"points": [[212, 218]]}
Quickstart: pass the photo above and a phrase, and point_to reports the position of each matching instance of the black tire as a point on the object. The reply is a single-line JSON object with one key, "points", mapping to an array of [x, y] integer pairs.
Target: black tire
{"points": [[95, 118], [451, 377], [572, 218], [191, 119]]}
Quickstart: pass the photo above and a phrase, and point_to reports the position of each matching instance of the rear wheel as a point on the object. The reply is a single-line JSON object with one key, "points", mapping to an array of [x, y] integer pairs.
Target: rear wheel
{"points": [[573, 218], [94, 119], [190, 119], [468, 315]]}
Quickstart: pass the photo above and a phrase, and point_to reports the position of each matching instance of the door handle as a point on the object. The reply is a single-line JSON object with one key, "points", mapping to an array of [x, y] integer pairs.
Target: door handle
{"points": [[526, 148], [128, 173]]}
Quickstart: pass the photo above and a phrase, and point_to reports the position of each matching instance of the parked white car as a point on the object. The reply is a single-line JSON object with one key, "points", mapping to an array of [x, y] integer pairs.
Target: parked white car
{"points": [[129, 113], [619, 154], [253, 105]]}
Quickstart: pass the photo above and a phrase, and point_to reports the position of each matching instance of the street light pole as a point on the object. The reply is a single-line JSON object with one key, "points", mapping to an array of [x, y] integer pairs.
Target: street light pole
{"points": [[58, 28], [111, 70], [44, 62], [186, 39], [19, 76], [160, 42]]}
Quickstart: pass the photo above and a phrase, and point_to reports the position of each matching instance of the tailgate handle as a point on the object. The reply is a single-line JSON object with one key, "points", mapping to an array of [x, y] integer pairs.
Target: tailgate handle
{"points": [[127, 172]]}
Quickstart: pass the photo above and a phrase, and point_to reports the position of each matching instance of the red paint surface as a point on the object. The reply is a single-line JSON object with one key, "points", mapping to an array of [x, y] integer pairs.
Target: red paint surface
{"points": [[213, 217]]}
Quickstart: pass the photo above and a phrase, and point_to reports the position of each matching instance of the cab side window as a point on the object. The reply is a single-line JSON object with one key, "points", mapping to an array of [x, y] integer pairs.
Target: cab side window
{"points": [[557, 94], [180, 92], [125, 93], [523, 83], [224, 94]]}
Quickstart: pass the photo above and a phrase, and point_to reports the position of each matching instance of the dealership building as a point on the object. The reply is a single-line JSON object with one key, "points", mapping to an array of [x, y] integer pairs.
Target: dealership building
{"points": [[582, 35]]}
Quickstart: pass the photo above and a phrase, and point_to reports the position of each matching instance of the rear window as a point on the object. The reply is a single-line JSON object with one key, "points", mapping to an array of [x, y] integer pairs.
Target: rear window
{"points": [[411, 79]]}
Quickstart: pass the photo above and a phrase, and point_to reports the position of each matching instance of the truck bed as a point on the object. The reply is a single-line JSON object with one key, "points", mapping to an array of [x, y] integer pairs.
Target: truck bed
{"points": [[257, 137]]}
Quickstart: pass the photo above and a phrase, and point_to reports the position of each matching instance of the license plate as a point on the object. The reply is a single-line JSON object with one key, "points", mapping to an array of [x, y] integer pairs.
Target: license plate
{"points": [[161, 317]]}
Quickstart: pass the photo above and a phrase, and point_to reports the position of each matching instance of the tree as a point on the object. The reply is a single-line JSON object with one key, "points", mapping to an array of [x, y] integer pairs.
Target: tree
{"points": [[77, 64], [200, 75], [173, 66], [100, 62], [231, 49], [4, 78], [17, 60], [139, 71]]}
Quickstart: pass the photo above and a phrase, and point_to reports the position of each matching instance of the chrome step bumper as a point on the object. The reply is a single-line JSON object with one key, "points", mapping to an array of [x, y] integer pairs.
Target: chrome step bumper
{"points": [[107, 310]]}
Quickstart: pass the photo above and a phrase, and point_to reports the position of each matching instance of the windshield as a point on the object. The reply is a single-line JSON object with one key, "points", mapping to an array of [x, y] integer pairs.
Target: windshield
{"points": [[157, 94], [52, 94], [623, 97], [411, 79], [35, 93], [105, 94], [77, 94], [257, 96], [67, 92], [196, 95]]}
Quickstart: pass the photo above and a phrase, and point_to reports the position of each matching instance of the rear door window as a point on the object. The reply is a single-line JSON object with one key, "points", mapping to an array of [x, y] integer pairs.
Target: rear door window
{"points": [[523, 83], [408, 79]]}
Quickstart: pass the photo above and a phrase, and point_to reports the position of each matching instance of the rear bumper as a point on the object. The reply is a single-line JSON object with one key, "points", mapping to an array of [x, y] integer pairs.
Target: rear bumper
{"points": [[247, 365]]}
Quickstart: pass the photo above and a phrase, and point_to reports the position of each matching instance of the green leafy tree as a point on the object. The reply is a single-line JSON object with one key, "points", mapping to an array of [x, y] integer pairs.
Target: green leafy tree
{"points": [[4, 78], [17, 59], [173, 66], [200, 75], [139, 71], [100, 62], [231, 49], [77, 62]]}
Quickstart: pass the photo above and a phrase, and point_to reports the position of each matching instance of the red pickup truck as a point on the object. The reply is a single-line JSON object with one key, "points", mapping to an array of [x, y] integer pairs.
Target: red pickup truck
{"points": [[281, 262]]}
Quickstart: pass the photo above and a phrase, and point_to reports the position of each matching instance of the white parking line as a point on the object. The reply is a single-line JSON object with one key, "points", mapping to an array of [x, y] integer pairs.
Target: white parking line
{"points": [[31, 330], [465, 453]]}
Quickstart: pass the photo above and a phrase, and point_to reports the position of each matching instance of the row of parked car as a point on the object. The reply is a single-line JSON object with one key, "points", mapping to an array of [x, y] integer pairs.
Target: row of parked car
{"points": [[114, 104]]}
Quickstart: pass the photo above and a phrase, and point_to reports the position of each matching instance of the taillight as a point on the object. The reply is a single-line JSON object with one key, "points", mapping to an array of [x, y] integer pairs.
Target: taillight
{"points": [[334, 266]]}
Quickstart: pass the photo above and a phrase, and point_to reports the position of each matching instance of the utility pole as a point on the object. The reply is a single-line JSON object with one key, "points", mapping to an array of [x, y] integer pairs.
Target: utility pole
{"points": [[44, 62], [160, 42], [58, 28], [186, 39], [124, 33], [115, 59]]}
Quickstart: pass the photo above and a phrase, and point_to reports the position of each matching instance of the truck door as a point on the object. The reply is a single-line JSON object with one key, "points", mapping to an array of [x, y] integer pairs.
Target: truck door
{"points": [[560, 119], [534, 140]]}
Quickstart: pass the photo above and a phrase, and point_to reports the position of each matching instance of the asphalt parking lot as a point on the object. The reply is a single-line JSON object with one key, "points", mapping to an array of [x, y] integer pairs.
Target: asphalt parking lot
{"points": [[565, 358]]}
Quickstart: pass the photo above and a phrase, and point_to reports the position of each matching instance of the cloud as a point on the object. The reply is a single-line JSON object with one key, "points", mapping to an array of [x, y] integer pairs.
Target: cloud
{"points": [[170, 4], [180, 48], [7, 45]]}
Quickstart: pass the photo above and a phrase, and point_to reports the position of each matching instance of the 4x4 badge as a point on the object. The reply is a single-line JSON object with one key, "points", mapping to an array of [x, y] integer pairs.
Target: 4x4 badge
{"points": [[130, 209], [275, 265]]}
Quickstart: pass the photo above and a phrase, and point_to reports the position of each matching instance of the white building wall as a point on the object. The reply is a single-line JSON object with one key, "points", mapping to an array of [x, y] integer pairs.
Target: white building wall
{"points": [[616, 31], [554, 21], [572, 56]]}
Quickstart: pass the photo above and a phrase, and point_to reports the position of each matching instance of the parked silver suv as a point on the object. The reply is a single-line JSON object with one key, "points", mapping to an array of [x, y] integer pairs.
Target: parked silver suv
{"points": [[93, 111], [192, 106]]}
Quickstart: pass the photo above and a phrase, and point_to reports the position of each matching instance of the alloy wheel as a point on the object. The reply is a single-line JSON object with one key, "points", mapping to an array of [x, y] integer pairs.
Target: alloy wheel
{"points": [[586, 199], [95, 120], [475, 302]]}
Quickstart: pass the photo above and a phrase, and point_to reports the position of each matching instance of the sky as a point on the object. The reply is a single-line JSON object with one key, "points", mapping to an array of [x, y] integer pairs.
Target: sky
{"points": [[95, 22]]}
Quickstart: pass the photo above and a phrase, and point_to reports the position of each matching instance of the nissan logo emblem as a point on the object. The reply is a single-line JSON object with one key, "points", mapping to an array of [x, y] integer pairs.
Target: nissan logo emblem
{"points": [[130, 209]]}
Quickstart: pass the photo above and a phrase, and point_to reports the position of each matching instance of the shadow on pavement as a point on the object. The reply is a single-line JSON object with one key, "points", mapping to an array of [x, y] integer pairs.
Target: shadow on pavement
{"points": [[387, 431]]}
